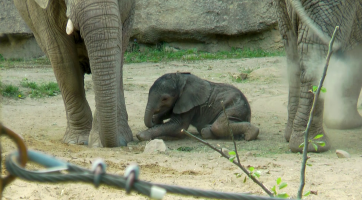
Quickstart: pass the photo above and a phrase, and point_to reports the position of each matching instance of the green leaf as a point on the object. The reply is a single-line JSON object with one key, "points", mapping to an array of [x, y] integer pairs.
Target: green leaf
{"points": [[283, 185], [306, 194], [309, 164], [257, 174], [245, 179], [273, 189], [315, 88], [283, 195], [231, 158], [279, 180], [232, 153], [323, 89], [301, 145], [251, 169], [321, 143], [318, 136], [315, 146]]}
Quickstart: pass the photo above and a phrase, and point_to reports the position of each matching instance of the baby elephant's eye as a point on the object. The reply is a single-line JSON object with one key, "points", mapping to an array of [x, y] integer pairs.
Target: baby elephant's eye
{"points": [[164, 99]]}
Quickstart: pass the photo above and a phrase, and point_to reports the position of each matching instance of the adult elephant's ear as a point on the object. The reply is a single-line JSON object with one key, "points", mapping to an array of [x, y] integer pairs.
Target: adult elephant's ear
{"points": [[194, 92], [43, 3]]}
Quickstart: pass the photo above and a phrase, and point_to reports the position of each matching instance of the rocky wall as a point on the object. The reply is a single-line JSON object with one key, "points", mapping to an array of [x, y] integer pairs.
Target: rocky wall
{"points": [[207, 25]]}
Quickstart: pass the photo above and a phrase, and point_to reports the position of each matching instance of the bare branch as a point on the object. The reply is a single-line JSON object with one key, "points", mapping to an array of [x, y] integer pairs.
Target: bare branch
{"points": [[231, 132], [234, 162], [306, 133]]}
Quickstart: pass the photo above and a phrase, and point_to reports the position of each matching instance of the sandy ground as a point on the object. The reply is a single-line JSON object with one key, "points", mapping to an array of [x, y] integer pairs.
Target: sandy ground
{"points": [[42, 124]]}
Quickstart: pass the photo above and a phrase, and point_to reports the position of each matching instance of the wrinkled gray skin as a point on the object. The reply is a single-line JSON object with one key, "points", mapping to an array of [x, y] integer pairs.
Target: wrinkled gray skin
{"points": [[97, 44], [185, 99], [306, 27]]}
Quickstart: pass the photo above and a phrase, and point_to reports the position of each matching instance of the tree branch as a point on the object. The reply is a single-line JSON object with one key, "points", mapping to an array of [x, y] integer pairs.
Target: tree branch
{"points": [[231, 132], [234, 162], [306, 133]]}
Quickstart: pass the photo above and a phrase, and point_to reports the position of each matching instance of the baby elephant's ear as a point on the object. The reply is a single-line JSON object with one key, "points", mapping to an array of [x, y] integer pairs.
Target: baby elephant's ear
{"points": [[194, 92]]}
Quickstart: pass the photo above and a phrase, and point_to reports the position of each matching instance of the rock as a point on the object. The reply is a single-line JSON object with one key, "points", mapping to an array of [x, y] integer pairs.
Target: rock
{"points": [[209, 25], [16, 38], [170, 49], [225, 151], [212, 25], [240, 76], [342, 154], [11, 22], [155, 146], [248, 154]]}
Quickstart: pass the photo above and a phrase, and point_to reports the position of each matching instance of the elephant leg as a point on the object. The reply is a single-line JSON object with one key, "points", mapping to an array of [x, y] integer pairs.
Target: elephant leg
{"points": [[343, 89], [288, 30], [171, 128], [94, 139], [311, 67], [61, 50], [206, 132], [294, 89], [126, 33], [219, 129], [101, 25]]}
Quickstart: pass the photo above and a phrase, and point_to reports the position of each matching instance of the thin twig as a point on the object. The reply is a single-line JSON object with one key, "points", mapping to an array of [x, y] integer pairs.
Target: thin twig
{"points": [[306, 133], [234, 162], [231, 132]]}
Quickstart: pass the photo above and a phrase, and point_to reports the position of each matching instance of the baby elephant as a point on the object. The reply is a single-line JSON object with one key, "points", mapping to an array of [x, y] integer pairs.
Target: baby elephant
{"points": [[186, 99]]}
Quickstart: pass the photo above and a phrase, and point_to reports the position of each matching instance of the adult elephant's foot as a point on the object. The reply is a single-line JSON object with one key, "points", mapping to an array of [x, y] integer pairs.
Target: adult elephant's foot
{"points": [[144, 136], [297, 138], [76, 137], [94, 139]]}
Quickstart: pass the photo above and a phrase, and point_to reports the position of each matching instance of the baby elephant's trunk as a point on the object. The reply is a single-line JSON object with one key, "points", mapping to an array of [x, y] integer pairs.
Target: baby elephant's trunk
{"points": [[148, 117]]}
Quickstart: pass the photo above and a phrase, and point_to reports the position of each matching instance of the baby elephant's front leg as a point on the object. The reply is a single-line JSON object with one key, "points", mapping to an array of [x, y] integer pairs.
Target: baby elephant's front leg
{"points": [[171, 128]]}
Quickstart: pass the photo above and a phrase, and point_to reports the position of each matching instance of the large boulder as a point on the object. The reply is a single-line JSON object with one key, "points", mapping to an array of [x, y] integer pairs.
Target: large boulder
{"points": [[16, 38], [207, 25], [10, 20]]}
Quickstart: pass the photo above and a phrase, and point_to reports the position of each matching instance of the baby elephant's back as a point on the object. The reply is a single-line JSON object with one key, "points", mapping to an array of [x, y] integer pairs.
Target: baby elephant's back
{"points": [[236, 106], [235, 102]]}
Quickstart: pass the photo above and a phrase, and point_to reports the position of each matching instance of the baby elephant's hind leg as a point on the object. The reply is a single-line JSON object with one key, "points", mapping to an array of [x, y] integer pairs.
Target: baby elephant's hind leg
{"points": [[206, 133], [220, 129]]}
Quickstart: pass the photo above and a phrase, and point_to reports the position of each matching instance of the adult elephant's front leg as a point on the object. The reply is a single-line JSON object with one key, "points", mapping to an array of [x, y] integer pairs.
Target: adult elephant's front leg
{"points": [[310, 65], [289, 34], [101, 25], [294, 84], [171, 128], [61, 51]]}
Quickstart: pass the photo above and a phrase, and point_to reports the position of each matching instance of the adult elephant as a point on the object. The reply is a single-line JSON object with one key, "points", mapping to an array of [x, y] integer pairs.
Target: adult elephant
{"points": [[86, 36], [306, 27]]}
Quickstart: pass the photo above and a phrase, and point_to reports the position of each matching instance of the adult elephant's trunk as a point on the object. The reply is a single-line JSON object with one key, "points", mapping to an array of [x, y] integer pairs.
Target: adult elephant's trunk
{"points": [[101, 28]]}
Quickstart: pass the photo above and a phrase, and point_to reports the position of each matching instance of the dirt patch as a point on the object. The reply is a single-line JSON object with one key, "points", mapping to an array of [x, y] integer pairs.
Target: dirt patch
{"points": [[41, 122]]}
